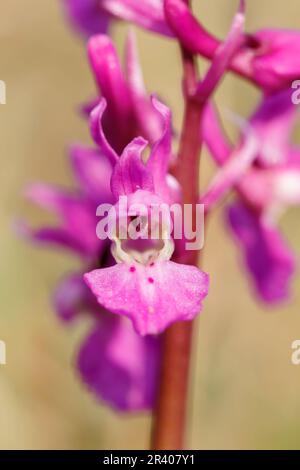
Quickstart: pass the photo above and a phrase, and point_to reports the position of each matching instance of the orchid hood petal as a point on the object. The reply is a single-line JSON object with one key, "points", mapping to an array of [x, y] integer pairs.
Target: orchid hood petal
{"points": [[130, 173]]}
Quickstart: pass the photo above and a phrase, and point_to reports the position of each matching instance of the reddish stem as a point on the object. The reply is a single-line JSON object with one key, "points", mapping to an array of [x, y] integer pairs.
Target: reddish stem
{"points": [[169, 420]]}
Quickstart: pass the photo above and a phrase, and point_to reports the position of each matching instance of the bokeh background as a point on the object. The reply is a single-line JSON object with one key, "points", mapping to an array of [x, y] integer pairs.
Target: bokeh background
{"points": [[246, 392]]}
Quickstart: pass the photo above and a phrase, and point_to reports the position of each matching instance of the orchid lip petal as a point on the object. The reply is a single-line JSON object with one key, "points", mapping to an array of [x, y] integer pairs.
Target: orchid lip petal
{"points": [[152, 296]]}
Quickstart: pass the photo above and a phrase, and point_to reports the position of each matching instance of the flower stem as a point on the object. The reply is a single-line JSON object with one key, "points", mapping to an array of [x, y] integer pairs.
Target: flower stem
{"points": [[169, 421]]}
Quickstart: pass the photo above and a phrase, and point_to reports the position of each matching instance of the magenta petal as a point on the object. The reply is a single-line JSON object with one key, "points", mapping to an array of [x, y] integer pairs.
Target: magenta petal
{"points": [[214, 136], [49, 197], [152, 296], [158, 162], [59, 237], [133, 67], [93, 172], [148, 14], [265, 189], [147, 118], [269, 261], [273, 122], [78, 219], [294, 157], [188, 30], [87, 107], [234, 169], [223, 55], [130, 174], [119, 366], [108, 73], [71, 297], [98, 134], [258, 188], [87, 16], [277, 64]]}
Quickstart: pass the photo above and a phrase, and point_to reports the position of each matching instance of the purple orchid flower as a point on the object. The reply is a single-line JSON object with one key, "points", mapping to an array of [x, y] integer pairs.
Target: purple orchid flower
{"points": [[101, 360], [269, 58], [145, 285], [266, 188], [139, 285], [92, 16]]}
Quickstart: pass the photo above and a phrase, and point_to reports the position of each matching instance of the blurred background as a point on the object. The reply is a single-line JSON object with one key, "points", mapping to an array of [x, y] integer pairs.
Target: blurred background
{"points": [[246, 392]]}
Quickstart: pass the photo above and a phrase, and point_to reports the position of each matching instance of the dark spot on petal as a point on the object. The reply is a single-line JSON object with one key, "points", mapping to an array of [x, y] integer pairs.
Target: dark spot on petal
{"points": [[132, 269], [151, 280], [151, 264], [252, 42]]}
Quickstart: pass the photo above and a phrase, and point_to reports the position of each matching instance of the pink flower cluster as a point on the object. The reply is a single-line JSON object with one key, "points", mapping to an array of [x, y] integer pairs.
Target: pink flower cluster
{"points": [[134, 291]]}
